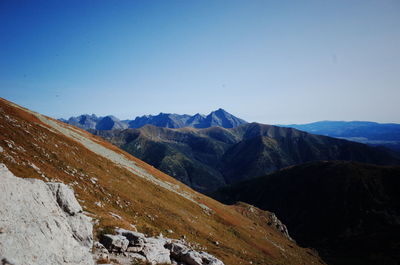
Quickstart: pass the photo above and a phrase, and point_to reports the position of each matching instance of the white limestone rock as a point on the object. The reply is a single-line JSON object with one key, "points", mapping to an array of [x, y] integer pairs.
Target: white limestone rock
{"points": [[114, 243], [184, 254], [65, 198], [39, 228], [155, 252]]}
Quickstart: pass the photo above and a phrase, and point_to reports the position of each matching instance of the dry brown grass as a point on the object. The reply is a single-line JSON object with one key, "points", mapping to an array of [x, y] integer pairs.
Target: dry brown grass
{"points": [[152, 209], [102, 261]]}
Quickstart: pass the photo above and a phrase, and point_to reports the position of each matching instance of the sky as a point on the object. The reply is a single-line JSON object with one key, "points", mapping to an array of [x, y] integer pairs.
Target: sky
{"points": [[274, 62]]}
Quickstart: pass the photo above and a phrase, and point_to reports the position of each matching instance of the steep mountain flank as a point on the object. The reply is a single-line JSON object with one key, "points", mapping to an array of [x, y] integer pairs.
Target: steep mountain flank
{"points": [[207, 159], [349, 212], [117, 189]]}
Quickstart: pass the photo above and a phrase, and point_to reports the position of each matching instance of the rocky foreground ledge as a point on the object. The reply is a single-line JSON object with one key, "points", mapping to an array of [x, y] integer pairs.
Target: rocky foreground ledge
{"points": [[43, 224], [126, 246]]}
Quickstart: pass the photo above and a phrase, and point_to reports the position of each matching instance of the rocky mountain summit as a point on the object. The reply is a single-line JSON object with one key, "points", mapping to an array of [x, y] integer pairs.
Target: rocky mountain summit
{"points": [[219, 118], [93, 122]]}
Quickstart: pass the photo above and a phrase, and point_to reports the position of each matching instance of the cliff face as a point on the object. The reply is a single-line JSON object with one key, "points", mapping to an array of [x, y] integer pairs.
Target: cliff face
{"points": [[41, 223]]}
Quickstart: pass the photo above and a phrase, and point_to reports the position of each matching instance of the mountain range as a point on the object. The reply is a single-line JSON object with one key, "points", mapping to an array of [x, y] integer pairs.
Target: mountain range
{"points": [[219, 118], [372, 133], [348, 211], [210, 158], [118, 190], [358, 203]]}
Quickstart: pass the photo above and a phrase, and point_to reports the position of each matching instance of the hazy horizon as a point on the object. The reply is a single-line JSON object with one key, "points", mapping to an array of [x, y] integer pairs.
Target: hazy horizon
{"points": [[191, 114], [273, 62]]}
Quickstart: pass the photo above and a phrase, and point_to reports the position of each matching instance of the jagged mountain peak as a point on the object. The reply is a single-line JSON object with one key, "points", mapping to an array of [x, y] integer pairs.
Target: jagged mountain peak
{"points": [[219, 117], [220, 110]]}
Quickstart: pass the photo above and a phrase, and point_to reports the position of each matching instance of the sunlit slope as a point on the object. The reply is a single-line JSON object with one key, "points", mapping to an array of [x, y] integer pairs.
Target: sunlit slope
{"points": [[117, 189]]}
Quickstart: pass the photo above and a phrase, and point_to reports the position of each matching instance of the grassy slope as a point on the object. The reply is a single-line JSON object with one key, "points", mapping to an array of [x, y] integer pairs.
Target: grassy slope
{"points": [[33, 149]]}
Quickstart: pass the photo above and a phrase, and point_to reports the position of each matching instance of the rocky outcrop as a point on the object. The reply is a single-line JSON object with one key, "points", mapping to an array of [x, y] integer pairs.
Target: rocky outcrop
{"points": [[41, 223], [127, 246], [278, 225], [182, 253]]}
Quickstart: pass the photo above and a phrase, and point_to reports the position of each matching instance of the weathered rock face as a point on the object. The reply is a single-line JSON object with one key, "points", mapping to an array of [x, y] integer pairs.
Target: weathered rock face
{"points": [[278, 225], [41, 223], [127, 246], [182, 253]]}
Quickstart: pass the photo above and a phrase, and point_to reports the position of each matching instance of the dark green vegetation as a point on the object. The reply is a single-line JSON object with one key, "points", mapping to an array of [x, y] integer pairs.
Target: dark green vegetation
{"points": [[372, 133], [349, 212], [207, 159]]}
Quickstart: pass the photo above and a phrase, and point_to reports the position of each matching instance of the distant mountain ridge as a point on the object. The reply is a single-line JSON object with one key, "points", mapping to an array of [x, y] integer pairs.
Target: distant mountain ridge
{"points": [[218, 117], [94, 122], [206, 159], [372, 133]]}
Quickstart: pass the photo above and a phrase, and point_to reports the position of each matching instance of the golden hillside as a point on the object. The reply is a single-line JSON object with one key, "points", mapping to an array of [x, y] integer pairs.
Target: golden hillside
{"points": [[117, 189]]}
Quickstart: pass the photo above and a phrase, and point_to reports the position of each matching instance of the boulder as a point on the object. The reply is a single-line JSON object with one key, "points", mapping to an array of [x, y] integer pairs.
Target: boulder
{"points": [[114, 243], [65, 198], [155, 252], [133, 237], [100, 248], [136, 256], [41, 224], [183, 253], [210, 259], [191, 258]]}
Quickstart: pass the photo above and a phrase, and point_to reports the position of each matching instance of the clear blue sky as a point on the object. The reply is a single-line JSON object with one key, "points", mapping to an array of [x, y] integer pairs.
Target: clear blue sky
{"points": [[266, 61]]}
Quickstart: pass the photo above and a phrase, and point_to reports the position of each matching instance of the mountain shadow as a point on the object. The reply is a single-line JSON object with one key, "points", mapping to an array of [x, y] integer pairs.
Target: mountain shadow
{"points": [[349, 212]]}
